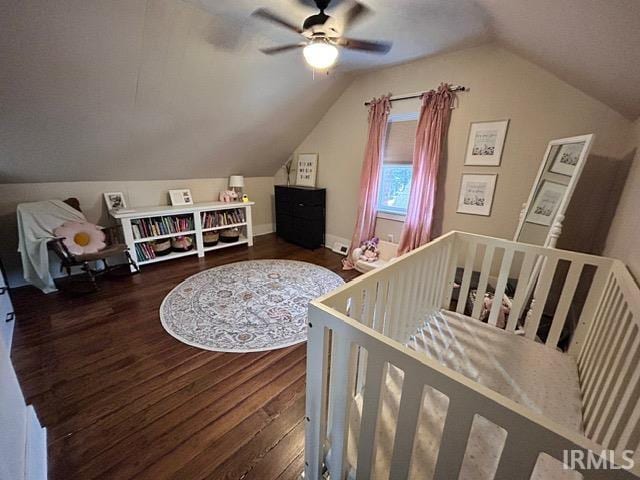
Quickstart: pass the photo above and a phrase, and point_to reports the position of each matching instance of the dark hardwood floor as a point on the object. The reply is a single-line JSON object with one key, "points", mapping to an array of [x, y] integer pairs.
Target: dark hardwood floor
{"points": [[123, 399]]}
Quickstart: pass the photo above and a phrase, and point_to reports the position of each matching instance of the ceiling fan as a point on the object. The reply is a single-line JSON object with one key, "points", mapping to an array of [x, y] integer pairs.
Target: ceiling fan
{"points": [[320, 48]]}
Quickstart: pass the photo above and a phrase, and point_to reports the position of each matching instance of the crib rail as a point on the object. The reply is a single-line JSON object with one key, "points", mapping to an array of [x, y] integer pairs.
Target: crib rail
{"points": [[608, 365], [331, 363], [360, 327]]}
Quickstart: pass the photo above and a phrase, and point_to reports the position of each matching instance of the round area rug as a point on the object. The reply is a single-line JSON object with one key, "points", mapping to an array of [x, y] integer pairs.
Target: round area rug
{"points": [[246, 306]]}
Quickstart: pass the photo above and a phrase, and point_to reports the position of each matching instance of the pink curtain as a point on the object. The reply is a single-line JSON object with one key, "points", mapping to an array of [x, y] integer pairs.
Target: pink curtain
{"points": [[431, 134], [370, 176]]}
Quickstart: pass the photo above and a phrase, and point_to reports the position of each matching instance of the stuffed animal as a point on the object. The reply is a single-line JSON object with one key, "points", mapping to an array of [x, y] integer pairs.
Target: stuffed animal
{"points": [[228, 196], [368, 251]]}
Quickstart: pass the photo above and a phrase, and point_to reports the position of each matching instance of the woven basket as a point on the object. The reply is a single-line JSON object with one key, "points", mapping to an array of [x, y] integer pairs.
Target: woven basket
{"points": [[210, 239], [161, 247], [230, 235]]}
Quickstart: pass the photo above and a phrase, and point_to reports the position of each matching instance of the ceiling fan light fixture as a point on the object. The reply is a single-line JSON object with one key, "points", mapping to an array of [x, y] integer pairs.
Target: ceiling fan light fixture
{"points": [[320, 55]]}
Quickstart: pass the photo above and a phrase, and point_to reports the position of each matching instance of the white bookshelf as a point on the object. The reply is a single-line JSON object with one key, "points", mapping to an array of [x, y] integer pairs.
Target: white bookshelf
{"points": [[194, 212]]}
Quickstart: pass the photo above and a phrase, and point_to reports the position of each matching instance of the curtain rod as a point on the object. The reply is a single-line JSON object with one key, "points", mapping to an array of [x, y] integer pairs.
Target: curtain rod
{"points": [[452, 88]]}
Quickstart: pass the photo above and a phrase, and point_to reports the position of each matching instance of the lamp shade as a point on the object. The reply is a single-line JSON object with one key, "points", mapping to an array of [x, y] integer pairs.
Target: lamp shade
{"points": [[236, 181]]}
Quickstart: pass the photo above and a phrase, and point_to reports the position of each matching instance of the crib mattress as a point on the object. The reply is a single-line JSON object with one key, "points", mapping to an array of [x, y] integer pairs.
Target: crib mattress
{"points": [[535, 376]]}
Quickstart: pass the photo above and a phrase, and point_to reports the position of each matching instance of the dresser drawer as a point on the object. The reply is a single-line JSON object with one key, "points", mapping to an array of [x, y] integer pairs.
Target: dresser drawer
{"points": [[302, 210], [308, 196]]}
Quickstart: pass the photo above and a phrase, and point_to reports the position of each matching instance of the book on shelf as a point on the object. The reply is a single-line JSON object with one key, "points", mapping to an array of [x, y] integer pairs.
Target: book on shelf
{"points": [[144, 252], [156, 226], [222, 218]]}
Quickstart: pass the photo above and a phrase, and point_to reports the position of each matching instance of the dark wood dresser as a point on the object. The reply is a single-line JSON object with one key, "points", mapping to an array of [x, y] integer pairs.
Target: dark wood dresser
{"points": [[300, 215]]}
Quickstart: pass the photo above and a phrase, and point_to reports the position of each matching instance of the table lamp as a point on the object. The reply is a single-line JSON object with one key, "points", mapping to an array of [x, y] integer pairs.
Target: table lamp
{"points": [[236, 182]]}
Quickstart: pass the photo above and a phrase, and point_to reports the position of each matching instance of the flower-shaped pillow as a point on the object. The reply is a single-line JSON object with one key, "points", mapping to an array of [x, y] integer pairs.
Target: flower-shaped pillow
{"points": [[81, 237]]}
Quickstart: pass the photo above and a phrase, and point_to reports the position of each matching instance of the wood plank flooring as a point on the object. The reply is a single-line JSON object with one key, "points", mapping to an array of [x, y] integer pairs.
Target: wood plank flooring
{"points": [[122, 399]]}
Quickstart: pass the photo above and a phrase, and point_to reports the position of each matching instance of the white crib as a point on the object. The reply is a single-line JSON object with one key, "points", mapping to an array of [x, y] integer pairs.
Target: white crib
{"points": [[358, 331]]}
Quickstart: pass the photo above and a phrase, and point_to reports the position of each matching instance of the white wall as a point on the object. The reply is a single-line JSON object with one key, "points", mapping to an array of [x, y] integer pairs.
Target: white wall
{"points": [[137, 193], [503, 85], [624, 238]]}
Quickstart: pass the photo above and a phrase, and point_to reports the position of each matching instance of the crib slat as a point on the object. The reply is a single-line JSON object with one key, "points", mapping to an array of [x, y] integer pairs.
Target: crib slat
{"points": [[370, 414], [586, 316], [505, 268], [398, 307], [408, 318], [602, 347], [596, 322], [340, 401], [614, 402], [367, 319], [521, 290], [453, 251], [466, 277], [316, 403], [603, 368], [540, 295], [483, 281], [355, 309], [439, 280], [593, 343], [407, 424], [629, 436], [392, 299], [611, 384], [381, 302], [568, 291], [518, 457], [453, 442]]}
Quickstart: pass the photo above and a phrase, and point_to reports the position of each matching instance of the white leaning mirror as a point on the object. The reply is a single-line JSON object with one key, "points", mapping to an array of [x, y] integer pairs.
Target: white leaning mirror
{"points": [[542, 216]]}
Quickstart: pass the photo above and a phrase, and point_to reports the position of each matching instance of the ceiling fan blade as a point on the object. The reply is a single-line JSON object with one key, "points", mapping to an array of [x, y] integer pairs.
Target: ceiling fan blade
{"points": [[272, 17], [357, 11], [283, 48], [365, 45]]}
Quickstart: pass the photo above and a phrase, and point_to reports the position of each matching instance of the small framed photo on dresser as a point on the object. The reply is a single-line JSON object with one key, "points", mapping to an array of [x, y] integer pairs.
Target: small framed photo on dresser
{"points": [[307, 169]]}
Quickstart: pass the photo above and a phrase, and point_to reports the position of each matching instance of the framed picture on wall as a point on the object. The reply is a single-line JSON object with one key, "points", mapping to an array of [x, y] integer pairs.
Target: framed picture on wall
{"points": [[476, 193], [181, 197], [546, 203], [485, 143], [307, 169]]}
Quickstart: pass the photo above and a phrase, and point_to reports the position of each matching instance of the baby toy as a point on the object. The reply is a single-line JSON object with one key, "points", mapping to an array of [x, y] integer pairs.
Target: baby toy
{"points": [[368, 251], [228, 196]]}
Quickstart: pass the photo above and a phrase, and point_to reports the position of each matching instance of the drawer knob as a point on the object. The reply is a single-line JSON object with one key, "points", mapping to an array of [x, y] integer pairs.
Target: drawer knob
{"points": [[301, 204]]}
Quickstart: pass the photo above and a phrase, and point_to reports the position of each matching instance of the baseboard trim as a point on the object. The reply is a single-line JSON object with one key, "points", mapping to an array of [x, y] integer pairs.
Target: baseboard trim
{"points": [[263, 229], [330, 239]]}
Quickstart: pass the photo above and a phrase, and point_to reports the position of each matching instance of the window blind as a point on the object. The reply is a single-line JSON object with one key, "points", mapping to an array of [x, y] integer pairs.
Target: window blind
{"points": [[400, 139]]}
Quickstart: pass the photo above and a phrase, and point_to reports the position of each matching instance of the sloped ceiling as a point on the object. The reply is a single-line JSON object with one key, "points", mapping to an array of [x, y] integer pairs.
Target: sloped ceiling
{"points": [[168, 89]]}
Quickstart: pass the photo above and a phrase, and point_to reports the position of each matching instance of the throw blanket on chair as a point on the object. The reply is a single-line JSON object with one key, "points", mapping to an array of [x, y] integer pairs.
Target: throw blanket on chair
{"points": [[36, 221]]}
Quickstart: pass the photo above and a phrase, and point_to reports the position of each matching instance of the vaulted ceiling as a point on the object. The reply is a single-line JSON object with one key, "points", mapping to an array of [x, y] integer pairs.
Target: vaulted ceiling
{"points": [[163, 89]]}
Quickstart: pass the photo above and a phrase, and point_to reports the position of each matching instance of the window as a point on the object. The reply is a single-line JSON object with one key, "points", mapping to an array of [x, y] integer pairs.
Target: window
{"points": [[395, 175]]}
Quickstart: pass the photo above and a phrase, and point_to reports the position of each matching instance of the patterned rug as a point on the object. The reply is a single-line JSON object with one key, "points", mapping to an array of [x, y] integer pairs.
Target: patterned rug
{"points": [[246, 306]]}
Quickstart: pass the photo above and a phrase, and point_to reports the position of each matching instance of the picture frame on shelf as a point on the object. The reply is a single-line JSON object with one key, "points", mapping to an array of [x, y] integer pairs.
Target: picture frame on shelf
{"points": [[546, 203], [115, 200], [181, 197], [486, 142], [476, 193], [307, 169]]}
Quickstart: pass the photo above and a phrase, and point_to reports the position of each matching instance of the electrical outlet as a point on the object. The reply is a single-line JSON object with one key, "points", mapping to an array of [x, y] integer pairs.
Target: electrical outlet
{"points": [[390, 238]]}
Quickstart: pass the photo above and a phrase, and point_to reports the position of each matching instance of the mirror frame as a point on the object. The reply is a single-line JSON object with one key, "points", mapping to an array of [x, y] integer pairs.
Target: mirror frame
{"points": [[555, 229]]}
